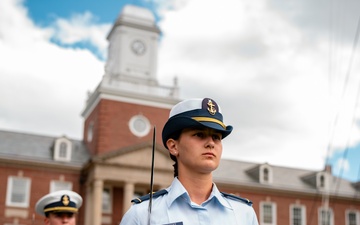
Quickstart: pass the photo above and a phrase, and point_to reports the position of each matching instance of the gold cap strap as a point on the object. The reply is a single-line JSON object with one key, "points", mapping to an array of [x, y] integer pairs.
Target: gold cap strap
{"points": [[207, 119], [61, 208]]}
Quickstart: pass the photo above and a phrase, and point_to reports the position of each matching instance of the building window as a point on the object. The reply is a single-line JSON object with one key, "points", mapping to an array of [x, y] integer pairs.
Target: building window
{"points": [[139, 125], [15, 222], [56, 185], [90, 131], [107, 200], [265, 174], [297, 215], [18, 192], [62, 151], [267, 213], [326, 217], [352, 217], [322, 181]]}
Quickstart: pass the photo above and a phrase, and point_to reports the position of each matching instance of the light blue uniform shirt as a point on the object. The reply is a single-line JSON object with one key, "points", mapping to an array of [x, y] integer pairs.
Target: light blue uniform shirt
{"points": [[175, 207]]}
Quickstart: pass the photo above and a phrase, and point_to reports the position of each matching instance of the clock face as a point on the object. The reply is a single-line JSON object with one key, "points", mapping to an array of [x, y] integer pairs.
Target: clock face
{"points": [[138, 47]]}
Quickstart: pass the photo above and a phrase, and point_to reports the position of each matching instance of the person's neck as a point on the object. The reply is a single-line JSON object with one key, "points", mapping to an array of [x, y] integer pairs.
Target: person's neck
{"points": [[198, 186]]}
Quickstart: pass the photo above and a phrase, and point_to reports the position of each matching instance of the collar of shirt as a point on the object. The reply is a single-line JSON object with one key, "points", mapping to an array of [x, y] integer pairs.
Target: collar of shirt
{"points": [[177, 190]]}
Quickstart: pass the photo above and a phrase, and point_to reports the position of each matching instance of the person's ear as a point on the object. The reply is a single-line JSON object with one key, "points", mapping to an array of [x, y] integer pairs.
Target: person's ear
{"points": [[46, 221], [172, 146]]}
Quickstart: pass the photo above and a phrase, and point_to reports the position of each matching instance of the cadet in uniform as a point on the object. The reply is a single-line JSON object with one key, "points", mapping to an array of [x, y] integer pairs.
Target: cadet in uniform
{"points": [[193, 135], [59, 207]]}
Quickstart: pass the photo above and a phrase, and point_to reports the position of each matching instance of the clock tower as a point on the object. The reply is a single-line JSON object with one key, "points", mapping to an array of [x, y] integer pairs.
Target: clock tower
{"points": [[129, 101], [133, 47]]}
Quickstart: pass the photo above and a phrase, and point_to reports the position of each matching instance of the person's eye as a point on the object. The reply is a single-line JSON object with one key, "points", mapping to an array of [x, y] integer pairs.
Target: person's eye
{"points": [[216, 137], [199, 134]]}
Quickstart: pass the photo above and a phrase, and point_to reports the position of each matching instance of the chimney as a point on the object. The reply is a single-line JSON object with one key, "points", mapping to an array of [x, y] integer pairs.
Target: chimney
{"points": [[327, 169]]}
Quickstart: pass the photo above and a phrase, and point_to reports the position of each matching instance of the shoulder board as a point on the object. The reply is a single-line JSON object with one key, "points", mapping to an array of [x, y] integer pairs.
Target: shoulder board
{"points": [[147, 197], [237, 198]]}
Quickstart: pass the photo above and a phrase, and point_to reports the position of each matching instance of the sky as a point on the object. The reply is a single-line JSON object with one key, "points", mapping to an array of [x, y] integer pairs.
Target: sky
{"points": [[285, 73]]}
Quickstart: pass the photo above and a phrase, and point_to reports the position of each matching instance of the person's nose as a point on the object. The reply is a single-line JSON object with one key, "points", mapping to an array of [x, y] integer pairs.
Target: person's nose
{"points": [[209, 142]]}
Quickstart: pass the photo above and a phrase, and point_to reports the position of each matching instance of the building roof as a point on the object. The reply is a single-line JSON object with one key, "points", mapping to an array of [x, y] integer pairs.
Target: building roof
{"points": [[283, 178], [38, 148]]}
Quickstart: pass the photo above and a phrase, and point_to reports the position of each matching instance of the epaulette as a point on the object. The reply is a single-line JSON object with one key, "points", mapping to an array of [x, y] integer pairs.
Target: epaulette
{"points": [[245, 200], [147, 197]]}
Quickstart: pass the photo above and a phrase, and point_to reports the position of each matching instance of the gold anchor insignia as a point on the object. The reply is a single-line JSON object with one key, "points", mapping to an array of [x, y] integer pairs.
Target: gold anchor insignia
{"points": [[211, 108], [65, 200]]}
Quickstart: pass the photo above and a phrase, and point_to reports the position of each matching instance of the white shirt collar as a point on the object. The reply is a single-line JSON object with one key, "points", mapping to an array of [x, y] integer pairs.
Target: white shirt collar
{"points": [[177, 190]]}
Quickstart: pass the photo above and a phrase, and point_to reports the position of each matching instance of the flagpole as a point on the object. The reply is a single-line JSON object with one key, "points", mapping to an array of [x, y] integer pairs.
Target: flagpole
{"points": [[152, 174]]}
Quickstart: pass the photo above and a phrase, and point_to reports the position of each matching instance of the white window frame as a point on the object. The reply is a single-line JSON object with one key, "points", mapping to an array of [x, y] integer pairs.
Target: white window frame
{"points": [[321, 209], [57, 149], [357, 214], [26, 192], [139, 131], [14, 224], [303, 213], [273, 213], [57, 185], [326, 181], [90, 132], [109, 209], [262, 175]]}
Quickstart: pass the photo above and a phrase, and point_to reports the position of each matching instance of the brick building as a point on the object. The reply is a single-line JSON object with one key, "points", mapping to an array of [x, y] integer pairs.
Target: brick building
{"points": [[111, 165]]}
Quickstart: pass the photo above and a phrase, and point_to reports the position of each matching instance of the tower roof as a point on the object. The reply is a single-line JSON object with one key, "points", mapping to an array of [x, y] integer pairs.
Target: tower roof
{"points": [[134, 14], [136, 17]]}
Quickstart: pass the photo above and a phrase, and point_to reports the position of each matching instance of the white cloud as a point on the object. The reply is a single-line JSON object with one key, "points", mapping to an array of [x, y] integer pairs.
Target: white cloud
{"points": [[261, 60], [82, 28], [43, 86], [14, 24], [269, 74], [341, 166]]}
